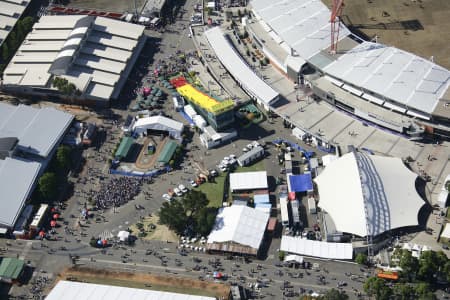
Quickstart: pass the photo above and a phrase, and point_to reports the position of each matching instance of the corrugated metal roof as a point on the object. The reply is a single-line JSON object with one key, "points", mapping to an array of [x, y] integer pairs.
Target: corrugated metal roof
{"points": [[167, 152], [11, 268], [16, 181], [239, 69], [124, 147], [38, 130]]}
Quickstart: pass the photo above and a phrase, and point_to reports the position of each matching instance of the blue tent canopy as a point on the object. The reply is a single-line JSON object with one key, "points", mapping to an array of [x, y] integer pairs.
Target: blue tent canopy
{"points": [[263, 198], [260, 205], [301, 183]]}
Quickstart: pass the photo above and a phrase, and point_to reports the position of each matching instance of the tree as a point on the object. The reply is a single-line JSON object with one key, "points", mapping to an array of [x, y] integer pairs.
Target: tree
{"points": [[5, 52], [409, 264], [281, 255], [63, 157], [404, 291], [47, 185], [429, 265], [446, 270], [27, 23], [334, 294], [377, 287], [172, 214], [204, 220], [361, 258], [12, 41], [423, 291], [193, 202]]}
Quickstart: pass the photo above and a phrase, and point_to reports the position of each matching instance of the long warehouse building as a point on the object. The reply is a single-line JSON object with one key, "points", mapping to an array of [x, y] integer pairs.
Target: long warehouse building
{"points": [[10, 13], [94, 54]]}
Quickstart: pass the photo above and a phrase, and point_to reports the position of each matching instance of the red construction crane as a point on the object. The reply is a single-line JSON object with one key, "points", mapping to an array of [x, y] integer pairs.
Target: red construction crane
{"points": [[335, 19]]}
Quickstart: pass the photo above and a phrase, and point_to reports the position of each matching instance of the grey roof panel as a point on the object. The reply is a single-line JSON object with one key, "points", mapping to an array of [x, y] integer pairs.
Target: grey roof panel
{"points": [[17, 178], [38, 130]]}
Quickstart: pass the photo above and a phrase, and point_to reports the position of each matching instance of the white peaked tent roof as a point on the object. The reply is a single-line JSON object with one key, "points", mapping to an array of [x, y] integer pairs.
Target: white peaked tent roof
{"points": [[240, 224], [158, 123], [321, 249], [396, 74], [123, 235], [303, 24], [368, 195], [70, 290]]}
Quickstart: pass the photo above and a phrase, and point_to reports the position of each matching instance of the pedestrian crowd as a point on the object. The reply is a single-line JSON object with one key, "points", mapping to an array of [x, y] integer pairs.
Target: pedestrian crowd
{"points": [[118, 191]]}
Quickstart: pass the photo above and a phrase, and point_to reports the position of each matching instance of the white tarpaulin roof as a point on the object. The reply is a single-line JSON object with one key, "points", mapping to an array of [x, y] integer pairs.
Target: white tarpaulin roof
{"points": [[238, 68], [293, 257], [159, 123], [303, 24], [307, 247], [239, 224], [383, 186], [248, 180], [123, 235], [70, 290], [393, 73], [446, 232]]}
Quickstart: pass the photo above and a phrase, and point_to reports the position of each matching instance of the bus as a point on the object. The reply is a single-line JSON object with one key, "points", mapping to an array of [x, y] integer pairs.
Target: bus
{"points": [[284, 210], [391, 275]]}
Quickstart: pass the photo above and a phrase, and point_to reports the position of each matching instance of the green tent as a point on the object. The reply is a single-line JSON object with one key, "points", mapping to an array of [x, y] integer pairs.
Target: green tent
{"points": [[11, 268], [167, 152], [124, 147]]}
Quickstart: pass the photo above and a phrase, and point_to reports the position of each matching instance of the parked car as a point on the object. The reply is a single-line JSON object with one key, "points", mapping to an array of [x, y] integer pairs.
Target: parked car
{"points": [[213, 173], [193, 183], [250, 146], [223, 168], [245, 149], [166, 197], [232, 156], [177, 192], [182, 188]]}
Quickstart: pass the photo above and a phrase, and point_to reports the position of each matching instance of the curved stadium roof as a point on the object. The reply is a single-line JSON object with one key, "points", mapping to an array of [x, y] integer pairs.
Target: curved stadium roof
{"points": [[368, 195]]}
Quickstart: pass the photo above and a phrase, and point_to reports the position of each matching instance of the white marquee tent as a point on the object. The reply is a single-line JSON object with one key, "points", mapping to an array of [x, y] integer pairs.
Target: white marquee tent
{"points": [[368, 195], [307, 247], [248, 181], [239, 224], [159, 123], [70, 290]]}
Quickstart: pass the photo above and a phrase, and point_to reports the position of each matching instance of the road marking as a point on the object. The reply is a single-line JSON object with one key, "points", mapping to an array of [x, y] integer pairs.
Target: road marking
{"points": [[133, 264], [26, 249]]}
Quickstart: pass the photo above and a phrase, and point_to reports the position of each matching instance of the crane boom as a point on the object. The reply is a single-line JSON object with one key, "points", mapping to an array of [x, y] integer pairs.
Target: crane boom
{"points": [[337, 7]]}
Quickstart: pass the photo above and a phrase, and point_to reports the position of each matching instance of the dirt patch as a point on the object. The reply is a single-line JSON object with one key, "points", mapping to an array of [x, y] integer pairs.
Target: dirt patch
{"points": [[418, 26], [146, 281], [146, 161], [119, 6], [160, 233]]}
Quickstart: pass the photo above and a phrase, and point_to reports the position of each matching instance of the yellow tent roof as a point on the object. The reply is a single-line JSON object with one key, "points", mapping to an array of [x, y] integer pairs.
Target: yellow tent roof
{"points": [[203, 100]]}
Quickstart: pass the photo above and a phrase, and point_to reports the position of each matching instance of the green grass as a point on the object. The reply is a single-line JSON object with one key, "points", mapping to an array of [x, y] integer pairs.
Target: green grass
{"points": [[258, 166], [214, 190]]}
